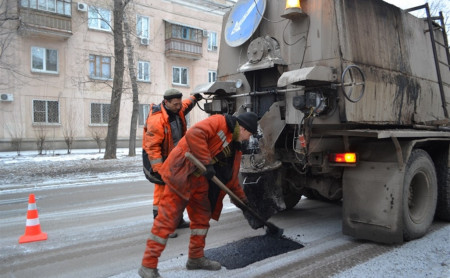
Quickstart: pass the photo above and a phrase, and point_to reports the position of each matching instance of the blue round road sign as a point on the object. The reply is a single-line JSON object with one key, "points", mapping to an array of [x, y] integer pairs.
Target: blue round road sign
{"points": [[243, 20]]}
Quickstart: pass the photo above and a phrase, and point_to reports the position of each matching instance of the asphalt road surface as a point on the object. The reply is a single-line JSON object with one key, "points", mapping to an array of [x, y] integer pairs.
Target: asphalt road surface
{"points": [[100, 230]]}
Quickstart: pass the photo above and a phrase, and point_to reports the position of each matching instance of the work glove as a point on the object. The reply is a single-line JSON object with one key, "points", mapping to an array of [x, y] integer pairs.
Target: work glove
{"points": [[198, 96], [238, 204], [209, 172], [237, 145]]}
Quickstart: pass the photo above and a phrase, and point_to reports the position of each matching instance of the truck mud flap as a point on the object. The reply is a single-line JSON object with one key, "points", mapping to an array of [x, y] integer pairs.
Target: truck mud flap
{"points": [[372, 207], [263, 192]]}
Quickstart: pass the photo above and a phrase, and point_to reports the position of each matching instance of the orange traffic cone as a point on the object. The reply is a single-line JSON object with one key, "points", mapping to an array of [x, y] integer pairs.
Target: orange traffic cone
{"points": [[33, 228]]}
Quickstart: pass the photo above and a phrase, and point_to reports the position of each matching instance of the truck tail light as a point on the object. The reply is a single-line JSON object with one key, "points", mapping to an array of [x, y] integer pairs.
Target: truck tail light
{"points": [[343, 158]]}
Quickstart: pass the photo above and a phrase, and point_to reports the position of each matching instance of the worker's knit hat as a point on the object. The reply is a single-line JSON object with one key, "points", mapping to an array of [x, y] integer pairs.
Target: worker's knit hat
{"points": [[249, 121], [172, 93]]}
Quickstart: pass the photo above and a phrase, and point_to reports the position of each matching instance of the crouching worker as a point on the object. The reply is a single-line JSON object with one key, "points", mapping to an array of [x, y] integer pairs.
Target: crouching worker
{"points": [[216, 142]]}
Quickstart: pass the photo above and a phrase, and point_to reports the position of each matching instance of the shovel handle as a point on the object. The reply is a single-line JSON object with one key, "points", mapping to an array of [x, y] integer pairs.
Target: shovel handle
{"points": [[220, 184], [233, 196]]}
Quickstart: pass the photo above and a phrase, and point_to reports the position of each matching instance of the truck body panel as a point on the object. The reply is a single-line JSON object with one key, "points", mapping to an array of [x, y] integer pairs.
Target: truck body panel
{"points": [[338, 76]]}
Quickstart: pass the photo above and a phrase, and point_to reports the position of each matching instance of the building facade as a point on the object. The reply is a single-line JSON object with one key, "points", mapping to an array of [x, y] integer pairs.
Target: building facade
{"points": [[57, 65]]}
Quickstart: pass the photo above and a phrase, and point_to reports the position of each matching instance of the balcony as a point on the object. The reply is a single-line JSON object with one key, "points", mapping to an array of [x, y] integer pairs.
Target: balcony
{"points": [[183, 49], [183, 41], [37, 22]]}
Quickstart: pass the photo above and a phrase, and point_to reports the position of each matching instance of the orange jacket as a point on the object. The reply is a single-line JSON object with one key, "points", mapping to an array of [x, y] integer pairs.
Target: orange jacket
{"points": [[157, 138], [204, 140]]}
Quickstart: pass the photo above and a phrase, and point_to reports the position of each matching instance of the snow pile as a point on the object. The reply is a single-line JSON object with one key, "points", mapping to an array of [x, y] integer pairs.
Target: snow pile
{"points": [[30, 170]]}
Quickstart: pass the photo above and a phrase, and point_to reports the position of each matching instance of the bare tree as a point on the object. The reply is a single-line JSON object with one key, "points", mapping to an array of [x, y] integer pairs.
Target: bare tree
{"points": [[99, 135], [69, 131], [116, 95], [16, 133], [40, 133], [131, 69], [8, 18], [437, 6], [442, 6]]}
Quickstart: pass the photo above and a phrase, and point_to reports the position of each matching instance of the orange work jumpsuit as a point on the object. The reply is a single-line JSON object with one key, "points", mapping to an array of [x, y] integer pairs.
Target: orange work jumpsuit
{"points": [[157, 141], [185, 188]]}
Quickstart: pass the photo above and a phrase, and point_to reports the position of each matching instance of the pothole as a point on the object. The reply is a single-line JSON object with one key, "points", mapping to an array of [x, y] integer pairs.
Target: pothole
{"points": [[246, 251]]}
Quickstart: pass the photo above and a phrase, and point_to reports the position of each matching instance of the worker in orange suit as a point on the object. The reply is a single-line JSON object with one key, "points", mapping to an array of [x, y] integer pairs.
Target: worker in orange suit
{"points": [[215, 142], [164, 127]]}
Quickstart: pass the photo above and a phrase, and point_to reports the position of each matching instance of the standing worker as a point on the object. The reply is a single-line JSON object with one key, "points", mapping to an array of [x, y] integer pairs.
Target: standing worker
{"points": [[164, 127], [216, 142]]}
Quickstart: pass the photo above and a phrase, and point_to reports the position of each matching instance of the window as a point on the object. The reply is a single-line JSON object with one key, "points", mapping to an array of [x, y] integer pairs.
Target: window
{"points": [[44, 60], [64, 7], [179, 76], [142, 26], [144, 71], [143, 113], [186, 33], [45, 111], [212, 76], [55, 6], [100, 113], [99, 18], [47, 5], [99, 67], [183, 32], [212, 41]]}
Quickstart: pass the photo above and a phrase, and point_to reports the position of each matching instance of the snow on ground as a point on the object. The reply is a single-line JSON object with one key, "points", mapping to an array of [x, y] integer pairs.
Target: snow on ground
{"points": [[433, 259], [57, 168]]}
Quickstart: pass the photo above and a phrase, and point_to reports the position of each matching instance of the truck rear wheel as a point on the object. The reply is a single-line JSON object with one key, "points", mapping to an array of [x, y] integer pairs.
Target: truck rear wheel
{"points": [[443, 210], [419, 195], [443, 176]]}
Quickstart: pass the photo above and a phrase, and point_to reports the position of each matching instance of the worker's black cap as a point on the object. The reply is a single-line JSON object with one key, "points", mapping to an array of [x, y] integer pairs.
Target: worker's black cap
{"points": [[172, 93], [249, 121]]}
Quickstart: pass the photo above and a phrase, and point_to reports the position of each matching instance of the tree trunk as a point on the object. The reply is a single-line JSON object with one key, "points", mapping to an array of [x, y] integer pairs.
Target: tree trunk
{"points": [[113, 123], [131, 69]]}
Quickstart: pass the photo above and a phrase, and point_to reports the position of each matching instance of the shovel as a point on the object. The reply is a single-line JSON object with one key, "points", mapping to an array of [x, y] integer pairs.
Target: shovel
{"points": [[272, 230]]}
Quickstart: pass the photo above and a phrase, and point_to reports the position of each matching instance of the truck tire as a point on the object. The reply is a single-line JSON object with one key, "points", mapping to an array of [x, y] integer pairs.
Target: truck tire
{"points": [[419, 195], [443, 177]]}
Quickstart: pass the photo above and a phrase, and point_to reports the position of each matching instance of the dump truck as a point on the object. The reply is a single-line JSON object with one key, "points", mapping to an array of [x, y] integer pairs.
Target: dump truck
{"points": [[351, 98]]}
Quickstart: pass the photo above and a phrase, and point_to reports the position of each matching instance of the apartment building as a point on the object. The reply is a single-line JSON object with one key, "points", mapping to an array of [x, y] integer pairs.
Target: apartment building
{"points": [[57, 65]]}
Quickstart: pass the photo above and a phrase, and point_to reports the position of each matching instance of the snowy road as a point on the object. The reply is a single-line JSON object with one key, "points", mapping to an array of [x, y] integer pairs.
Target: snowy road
{"points": [[99, 230]]}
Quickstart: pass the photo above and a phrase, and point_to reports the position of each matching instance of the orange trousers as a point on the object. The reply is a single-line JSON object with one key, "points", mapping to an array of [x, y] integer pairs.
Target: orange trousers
{"points": [[170, 211], [157, 195]]}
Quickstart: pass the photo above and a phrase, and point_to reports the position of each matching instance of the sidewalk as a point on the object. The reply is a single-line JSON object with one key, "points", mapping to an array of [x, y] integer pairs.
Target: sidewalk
{"points": [[30, 170]]}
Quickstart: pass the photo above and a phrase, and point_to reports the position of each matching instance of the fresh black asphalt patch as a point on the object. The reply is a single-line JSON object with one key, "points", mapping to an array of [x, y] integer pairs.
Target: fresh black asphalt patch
{"points": [[246, 251]]}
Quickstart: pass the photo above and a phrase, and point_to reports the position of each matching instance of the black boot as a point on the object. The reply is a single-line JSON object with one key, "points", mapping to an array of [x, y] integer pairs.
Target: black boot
{"points": [[183, 224]]}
